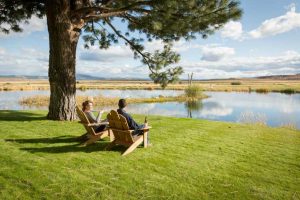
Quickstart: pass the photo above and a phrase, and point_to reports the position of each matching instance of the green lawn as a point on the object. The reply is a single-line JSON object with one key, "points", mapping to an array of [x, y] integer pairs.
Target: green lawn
{"points": [[40, 159]]}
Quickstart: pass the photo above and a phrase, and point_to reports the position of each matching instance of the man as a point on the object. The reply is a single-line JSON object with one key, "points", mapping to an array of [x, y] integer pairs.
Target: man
{"points": [[131, 123]]}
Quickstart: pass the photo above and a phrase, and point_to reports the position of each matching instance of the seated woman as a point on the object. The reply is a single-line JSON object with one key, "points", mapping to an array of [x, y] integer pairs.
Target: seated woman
{"points": [[87, 108]]}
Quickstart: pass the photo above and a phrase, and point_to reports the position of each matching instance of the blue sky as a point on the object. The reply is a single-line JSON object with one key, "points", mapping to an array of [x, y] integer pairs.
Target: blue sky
{"points": [[264, 42]]}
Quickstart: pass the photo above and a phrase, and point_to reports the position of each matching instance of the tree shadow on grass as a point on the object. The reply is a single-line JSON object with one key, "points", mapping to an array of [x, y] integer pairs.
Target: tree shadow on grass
{"points": [[96, 147], [12, 115], [60, 139]]}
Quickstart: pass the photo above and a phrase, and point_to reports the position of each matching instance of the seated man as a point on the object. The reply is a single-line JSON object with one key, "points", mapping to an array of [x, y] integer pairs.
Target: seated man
{"points": [[131, 123]]}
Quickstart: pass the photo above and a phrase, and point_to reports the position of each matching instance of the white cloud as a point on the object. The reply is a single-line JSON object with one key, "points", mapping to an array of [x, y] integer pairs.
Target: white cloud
{"points": [[216, 53], [111, 69], [35, 62], [178, 46], [35, 24], [105, 55], [31, 62], [2, 51], [154, 45], [287, 63], [233, 30], [277, 25], [270, 27]]}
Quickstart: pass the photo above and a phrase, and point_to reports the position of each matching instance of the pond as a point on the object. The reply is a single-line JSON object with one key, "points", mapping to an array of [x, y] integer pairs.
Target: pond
{"points": [[274, 109]]}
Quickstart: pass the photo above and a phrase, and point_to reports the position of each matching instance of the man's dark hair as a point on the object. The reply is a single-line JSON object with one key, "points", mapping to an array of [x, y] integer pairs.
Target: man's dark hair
{"points": [[122, 103]]}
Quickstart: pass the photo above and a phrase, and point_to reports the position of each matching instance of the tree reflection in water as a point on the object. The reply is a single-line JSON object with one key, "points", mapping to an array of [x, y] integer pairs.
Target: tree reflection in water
{"points": [[192, 106]]}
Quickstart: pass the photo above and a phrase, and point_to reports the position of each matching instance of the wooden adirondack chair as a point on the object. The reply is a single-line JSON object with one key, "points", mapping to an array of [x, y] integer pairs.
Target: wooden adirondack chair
{"points": [[122, 135], [89, 128]]}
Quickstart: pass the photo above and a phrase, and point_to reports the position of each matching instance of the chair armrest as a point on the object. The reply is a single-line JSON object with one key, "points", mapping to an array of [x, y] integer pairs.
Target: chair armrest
{"points": [[124, 131], [95, 124], [146, 128]]}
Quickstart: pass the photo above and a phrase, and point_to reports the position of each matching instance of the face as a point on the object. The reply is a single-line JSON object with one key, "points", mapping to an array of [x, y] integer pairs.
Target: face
{"points": [[89, 106]]}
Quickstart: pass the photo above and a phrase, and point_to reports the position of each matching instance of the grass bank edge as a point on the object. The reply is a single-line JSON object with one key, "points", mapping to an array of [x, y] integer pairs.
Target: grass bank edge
{"points": [[43, 100]]}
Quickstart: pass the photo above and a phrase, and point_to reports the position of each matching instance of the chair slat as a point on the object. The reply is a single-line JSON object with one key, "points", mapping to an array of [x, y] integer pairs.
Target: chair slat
{"points": [[118, 122], [84, 120], [118, 125], [93, 136]]}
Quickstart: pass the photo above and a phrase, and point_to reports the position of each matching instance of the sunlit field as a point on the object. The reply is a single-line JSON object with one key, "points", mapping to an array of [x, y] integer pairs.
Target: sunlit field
{"points": [[242, 85], [189, 159]]}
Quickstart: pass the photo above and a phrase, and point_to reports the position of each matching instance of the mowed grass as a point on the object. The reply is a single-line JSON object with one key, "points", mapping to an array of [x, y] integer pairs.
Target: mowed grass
{"points": [[189, 159]]}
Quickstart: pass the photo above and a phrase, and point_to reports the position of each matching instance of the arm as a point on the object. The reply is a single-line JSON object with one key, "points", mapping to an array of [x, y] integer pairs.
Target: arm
{"points": [[91, 117], [132, 124], [99, 116]]}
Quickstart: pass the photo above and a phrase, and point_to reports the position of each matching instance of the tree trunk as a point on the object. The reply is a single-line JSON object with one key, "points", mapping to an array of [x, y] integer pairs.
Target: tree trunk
{"points": [[62, 59]]}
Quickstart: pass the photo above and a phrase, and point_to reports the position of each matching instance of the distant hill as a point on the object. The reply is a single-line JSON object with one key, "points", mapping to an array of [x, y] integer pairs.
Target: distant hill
{"points": [[78, 77], [89, 77], [281, 77], [20, 77]]}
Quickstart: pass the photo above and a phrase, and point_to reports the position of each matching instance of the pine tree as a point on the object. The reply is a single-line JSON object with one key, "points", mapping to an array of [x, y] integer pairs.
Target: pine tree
{"points": [[67, 20]]}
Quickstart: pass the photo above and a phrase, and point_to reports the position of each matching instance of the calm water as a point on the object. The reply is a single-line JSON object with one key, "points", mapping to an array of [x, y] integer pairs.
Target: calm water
{"points": [[273, 108]]}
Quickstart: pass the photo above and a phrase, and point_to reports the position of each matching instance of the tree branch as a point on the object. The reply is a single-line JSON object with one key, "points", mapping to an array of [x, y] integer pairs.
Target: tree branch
{"points": [[103, 15], [108, 2], [94, 33], [92, 13], [145, 57]]}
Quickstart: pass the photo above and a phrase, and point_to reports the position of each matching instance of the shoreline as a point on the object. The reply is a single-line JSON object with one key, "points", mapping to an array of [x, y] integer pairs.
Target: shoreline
{"points": [[43, 100]]}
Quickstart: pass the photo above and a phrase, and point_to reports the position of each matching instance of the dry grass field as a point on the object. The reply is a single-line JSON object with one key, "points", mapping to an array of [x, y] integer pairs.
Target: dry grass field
{"points": [[240, 85]]}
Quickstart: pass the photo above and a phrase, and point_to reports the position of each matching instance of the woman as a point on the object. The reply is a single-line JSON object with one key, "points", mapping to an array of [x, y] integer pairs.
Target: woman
{"points": [[87, 108]]}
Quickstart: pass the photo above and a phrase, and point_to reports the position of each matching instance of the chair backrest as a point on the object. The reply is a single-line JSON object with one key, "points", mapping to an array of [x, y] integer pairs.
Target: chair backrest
{"points": [[85, 121], [120, 128]]}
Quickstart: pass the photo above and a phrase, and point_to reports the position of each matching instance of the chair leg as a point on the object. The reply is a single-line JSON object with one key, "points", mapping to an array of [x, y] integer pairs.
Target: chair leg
{"points": [[110, 145], [95, 138], [92, 140], [133, 146], [111, 135], [145, 136], [104, 134]]}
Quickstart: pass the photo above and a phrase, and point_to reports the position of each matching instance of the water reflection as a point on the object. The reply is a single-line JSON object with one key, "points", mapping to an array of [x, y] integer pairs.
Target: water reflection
{"points": [[278, 109], [192, 106], [212, 110]]}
